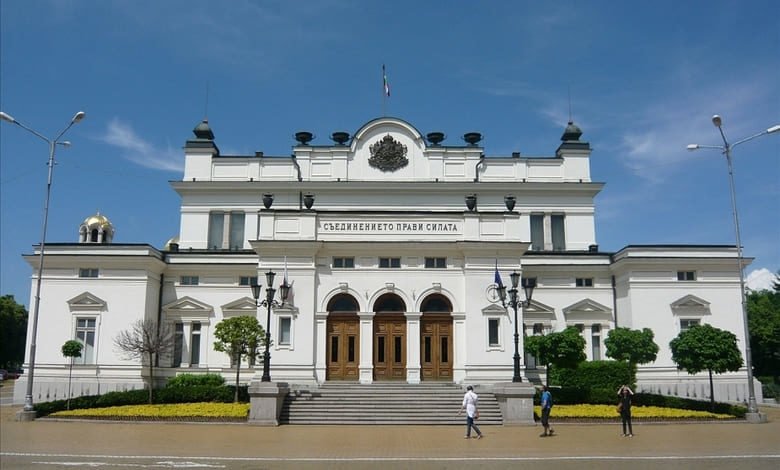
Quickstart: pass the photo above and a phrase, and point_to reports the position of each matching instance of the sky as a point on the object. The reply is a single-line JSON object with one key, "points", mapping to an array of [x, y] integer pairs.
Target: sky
{"points": [[641, 79]]}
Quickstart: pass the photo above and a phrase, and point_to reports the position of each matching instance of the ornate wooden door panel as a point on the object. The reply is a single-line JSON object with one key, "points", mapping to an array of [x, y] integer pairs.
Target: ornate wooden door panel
{"points": [[343, 349], [436, 347], [389, 347]]}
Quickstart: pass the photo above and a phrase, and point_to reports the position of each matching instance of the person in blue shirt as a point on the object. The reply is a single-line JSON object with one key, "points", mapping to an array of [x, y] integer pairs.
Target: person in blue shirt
{"points": [[547, 404]]}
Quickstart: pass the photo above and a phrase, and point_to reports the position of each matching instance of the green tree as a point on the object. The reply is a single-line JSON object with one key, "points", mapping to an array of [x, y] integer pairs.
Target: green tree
{"points": [[764, 324], [704, 347], [13, 332], [239, 337], [71, 349], [632, 346], [144, 340], [560, 349]]}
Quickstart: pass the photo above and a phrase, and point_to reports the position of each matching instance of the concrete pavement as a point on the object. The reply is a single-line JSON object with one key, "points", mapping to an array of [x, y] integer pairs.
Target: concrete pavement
{"points": [[65, 444]]}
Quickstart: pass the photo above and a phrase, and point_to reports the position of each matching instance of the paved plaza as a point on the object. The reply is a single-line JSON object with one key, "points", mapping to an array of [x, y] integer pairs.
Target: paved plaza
{"points": [[82, 444]]}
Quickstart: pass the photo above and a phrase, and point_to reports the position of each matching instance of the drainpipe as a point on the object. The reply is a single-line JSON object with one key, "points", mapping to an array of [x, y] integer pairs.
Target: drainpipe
{"points": [[297, 167], [476, 167], [614, 300]]}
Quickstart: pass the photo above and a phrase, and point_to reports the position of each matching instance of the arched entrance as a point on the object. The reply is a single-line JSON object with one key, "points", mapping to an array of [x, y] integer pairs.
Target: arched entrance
{"points": [[436, 338], [389, 338], [343, 336]]}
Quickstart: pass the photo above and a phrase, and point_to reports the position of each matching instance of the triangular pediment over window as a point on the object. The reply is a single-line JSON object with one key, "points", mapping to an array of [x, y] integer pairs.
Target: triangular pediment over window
{"points": [[187, 308], [244, 306], [538, 312], [87, 302], [690, 305], [587, 310], [494, 309]]}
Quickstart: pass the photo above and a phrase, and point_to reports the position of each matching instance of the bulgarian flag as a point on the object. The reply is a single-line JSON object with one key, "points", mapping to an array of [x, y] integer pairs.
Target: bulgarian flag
{"points": [[385, 82]]}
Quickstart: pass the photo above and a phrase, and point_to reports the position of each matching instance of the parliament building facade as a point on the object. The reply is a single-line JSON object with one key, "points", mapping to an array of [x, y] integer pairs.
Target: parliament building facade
{"points": [[390, 239]]}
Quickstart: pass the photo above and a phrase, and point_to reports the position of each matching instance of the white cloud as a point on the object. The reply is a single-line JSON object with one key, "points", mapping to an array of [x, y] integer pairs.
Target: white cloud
{"points": [[137, 150], [760, 279]]}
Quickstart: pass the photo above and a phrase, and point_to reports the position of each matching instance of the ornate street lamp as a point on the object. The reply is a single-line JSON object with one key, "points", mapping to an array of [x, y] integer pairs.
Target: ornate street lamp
{"points": [[269, 302], [53, 143], [726, 150], [528, 284]]}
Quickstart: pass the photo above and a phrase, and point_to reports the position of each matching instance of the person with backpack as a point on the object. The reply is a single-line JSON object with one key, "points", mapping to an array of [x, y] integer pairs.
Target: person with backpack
{"points": [[547, 404]]}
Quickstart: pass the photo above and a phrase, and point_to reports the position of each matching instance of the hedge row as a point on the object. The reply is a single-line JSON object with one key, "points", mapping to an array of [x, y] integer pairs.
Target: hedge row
{"points": [[607, 375], [174, 394], [576, 396]]}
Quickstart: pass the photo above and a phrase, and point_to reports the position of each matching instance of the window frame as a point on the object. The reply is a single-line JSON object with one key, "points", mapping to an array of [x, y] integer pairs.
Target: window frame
{"points": [[686, 276], [392, 262], [86, 359], [343, 262], [190, 280], [583, 282], [89, 273], [435, 262]]}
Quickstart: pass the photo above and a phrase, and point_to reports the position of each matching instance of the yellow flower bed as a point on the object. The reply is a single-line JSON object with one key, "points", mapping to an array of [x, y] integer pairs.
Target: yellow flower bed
{"points": [[181, 410], [609, 411]]}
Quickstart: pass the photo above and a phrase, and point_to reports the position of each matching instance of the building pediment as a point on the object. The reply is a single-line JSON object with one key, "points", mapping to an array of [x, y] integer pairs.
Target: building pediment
{"points": [[494, 309], [244, 306], [87, 302], [690, 305], [188, 308], [538, 311], [587, 310]]}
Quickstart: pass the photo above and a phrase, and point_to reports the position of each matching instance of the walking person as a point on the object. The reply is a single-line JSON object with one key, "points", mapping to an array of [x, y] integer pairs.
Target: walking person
{"points": [[546, 407], [624, 406], [471, 405]]}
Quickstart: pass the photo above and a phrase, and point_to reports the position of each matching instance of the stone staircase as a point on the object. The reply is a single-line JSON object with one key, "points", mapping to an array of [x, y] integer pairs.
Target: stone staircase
{"points": [[342, 403]]}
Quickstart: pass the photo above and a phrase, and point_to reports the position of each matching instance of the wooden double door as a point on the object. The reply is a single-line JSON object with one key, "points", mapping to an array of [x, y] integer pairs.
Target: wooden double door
{"points": [[389, 346], [436, 347], [343, 347]]}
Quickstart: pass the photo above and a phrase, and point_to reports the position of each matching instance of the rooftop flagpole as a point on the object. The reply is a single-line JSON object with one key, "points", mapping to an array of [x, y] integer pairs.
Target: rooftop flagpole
{"points": [[385, 91]]}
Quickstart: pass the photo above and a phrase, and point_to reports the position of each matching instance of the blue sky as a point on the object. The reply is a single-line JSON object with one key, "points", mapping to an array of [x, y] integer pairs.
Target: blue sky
{"points": [[644, 80]]}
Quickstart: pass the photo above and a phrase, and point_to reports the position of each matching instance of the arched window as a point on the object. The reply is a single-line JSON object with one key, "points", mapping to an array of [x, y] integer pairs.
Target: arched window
{"points": [[436, 303], [343, 303], [389, 303], [94, 235]]}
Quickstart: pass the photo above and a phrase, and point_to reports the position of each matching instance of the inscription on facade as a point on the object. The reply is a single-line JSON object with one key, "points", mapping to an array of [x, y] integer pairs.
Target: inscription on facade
{"points": [[390, 227]]}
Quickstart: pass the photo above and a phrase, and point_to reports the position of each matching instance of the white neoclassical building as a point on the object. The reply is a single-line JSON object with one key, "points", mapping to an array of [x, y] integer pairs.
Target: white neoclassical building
{"points": [[390, 239]]}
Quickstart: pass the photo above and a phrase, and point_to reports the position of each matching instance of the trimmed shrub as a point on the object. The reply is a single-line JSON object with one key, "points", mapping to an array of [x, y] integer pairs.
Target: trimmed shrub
{"points": [[189, 380], [195, 393], [648, 399], [608, 375], [129, 397]]}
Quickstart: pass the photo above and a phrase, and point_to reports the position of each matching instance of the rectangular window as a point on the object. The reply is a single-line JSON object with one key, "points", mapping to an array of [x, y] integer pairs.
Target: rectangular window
{"points": [[247, 281], [558, 232], [351, 348], [445, 350], [178, 343], [686, 275], [427, 349], [85, 333], [88, 272], [397, 349], [285, 330], [493, 332], [435, 263], [226, 230], [189, 280], [389, 262], [537, 232], [595, 332], [584, 282], [195, 344], [334, 349], [216, 230], [687, 323], [344, 262], [236, 241]]}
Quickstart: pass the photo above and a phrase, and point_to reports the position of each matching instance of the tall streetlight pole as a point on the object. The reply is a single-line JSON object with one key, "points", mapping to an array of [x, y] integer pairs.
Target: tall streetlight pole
{"points": [[53, 143], [726, 149], [528, 286], [269, 302]]}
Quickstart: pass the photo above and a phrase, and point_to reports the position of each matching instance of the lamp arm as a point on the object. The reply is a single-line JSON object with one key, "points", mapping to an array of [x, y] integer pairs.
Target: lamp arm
{"points": [[64, 131], [746, 139], [33, 131]]}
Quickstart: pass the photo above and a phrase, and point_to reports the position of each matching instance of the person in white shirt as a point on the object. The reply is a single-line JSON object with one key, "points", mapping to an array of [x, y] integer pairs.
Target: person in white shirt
{"points": [[471, 405]]}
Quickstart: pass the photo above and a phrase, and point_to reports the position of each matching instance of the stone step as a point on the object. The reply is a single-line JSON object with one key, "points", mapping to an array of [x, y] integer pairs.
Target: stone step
{"points": [[384, 403]]}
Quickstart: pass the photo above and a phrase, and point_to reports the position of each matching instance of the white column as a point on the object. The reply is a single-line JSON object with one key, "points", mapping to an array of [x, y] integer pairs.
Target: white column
{"points": [[205, 344], [321, 359], [459, 371], [366, 366], [588, 335], [185, 344], [548, 245], [413, 366]]}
